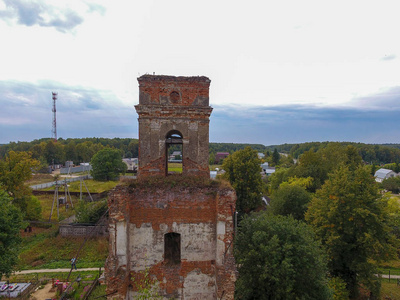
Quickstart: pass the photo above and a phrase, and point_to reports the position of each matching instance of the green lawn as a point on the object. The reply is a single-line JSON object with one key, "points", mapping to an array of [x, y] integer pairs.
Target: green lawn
{"points": [[93, 186], [390, 290], [46, 202], [45, 249], [85, 275], [392, 265], [175, 168]]}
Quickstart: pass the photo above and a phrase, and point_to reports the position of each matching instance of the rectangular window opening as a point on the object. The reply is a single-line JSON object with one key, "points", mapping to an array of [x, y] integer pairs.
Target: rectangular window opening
{"points": [[172, 248], [174, 159]]}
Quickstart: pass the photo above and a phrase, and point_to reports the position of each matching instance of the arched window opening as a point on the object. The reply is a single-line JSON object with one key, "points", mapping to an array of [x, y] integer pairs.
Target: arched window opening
{"points": [[174, 152], [172, 248]]}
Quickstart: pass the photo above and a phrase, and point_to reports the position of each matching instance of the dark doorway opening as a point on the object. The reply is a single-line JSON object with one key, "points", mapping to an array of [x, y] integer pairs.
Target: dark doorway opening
{"points": [[172, 248], [174, 152]]}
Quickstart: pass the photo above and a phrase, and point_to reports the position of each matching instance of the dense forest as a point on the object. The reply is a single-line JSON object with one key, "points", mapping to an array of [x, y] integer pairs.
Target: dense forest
{"points": [[370, 153], [82, 150]]}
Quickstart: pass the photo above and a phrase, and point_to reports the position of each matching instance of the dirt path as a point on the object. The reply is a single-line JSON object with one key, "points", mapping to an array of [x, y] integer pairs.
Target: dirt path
{"points": [[45, 293], [55, 270]]}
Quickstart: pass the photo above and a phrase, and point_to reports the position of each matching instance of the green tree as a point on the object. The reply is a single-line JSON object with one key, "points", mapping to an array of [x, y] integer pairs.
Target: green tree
{"points": [[311, 164], [351, 219], [391, 184], [90, 212], [15, 169], [54, 153], [290, 199], [211, 159], [29, 206], [70, 151], [280, 175], [275, 157], [279, 258], [373, 169], [10, 225], [107, 164], [133, 147], [243, 172], [33, 209]]}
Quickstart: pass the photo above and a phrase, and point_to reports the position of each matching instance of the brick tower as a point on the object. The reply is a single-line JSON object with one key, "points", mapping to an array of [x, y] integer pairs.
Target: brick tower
{"points": [[173, 111], [178, 229]]}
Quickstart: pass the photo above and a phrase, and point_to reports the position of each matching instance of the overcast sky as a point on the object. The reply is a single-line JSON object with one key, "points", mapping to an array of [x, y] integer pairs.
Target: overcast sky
{"points": [[281, 71]]}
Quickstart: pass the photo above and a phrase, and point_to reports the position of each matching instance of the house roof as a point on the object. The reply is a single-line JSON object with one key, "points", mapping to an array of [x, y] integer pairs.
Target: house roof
{"points": [[382, 173]]}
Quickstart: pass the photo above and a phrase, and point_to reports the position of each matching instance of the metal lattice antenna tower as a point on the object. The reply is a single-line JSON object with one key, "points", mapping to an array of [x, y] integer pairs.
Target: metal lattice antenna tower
{"points": [[54, 128]]}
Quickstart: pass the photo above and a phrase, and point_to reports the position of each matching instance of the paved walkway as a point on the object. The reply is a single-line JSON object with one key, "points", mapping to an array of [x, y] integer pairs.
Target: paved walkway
{"points": [[55, 270], [391, 276]]}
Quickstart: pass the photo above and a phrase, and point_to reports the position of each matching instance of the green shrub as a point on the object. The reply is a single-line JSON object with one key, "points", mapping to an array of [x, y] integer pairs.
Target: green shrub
{"points": [[90, 212]]}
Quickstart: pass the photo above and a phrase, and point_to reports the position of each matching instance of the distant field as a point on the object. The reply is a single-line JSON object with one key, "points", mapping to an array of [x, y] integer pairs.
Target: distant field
{"points": [[92, 185], [174, 167], [40, 178]]}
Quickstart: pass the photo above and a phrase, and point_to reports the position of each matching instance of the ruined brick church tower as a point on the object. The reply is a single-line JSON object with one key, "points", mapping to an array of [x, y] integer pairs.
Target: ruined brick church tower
{"points": [[177, 229]]}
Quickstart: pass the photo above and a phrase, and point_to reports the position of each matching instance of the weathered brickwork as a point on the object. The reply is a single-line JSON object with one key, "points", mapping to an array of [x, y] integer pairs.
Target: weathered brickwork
{"points": [[139, 219], [173, 104], [178, 228]]}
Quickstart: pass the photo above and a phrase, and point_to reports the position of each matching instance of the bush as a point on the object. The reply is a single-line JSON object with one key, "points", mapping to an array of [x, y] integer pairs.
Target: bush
{"points": [[90, 212]]}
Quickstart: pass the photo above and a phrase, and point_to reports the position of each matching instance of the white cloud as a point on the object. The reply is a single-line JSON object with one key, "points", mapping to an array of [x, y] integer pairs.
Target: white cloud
{"points": [[258, 53]]}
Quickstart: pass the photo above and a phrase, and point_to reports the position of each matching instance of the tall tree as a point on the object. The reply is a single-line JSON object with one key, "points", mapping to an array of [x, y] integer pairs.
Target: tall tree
{"points": [[351, 219], [10, 225], [290, 199], [15, 169], [279, 258], [54, 153], [107, 164], [275, 157], [243, 172], [311, 164]]}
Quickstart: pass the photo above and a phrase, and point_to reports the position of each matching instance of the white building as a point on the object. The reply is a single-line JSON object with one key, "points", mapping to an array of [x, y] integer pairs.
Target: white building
{"points": [[131, 163], [382, 174], [266, 169]]}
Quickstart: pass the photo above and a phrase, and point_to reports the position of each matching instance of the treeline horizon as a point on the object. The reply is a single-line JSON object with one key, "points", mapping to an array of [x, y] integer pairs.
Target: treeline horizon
{"points": [[82, 149]]}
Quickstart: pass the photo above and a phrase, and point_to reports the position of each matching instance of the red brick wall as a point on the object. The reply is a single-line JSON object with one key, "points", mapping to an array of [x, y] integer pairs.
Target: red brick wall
{"points": [[173, 207]]}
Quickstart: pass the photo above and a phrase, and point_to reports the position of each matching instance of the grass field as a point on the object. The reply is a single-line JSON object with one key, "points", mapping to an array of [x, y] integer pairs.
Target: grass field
{"points": [[175, 168], [85, 275], [390, 290], [92, 185], [45, 249], [40, 178], [46, 202]]}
